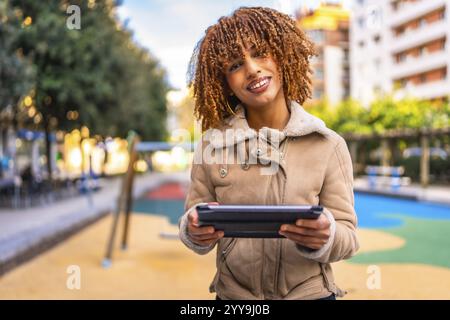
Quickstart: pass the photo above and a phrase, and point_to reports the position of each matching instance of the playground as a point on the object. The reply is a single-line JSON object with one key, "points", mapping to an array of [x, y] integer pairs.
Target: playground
{"points": [[405, 240]]}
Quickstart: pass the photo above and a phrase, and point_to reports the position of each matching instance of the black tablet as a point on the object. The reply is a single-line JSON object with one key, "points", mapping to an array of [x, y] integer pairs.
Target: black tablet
{"points": [[253, 221]]}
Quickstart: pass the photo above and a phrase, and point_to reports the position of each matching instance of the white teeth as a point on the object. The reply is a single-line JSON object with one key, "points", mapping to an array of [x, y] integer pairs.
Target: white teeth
{"points": [[259, 84]]}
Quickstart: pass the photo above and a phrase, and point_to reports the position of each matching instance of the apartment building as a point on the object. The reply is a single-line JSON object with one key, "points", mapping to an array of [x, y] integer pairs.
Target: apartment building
{"points": [[328, 27], [400, 46]]}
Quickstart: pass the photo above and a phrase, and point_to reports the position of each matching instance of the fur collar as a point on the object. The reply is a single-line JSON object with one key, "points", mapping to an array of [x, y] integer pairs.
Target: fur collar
{"points": [[300, 123]]}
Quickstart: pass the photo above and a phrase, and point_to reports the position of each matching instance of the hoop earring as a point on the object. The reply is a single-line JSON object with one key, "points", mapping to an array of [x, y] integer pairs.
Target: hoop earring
{"points": [[229, 108]]}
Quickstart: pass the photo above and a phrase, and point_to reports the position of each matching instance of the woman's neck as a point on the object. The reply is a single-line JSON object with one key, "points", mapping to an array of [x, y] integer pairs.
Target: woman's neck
{"points": [[274, 115]]}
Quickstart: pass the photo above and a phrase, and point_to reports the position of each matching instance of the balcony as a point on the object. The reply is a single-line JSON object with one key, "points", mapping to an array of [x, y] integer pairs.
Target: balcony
{"points": [[410, 11], [416, 37], [420, 64], [429, 90]]}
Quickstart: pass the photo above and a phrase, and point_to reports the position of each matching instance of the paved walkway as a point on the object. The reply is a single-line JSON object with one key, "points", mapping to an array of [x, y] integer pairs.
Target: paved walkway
{"points": [[440, 194], [26, 232]]}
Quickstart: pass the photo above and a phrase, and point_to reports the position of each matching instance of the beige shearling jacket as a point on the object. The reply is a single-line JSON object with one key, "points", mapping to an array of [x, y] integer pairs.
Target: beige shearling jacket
{"points": [[306, 163]]}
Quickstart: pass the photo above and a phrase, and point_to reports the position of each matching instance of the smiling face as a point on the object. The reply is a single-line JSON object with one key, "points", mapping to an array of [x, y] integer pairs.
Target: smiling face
{"points": [[210, 76], [254, 78]]}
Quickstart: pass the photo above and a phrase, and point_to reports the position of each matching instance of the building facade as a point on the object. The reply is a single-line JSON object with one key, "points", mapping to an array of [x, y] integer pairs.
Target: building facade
{"points": [[328, 28], [400, 47]]}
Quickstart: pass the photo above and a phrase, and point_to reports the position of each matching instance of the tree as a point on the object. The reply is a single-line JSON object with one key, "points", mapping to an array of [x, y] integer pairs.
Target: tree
{"points": [[16, 74], [97, 73]]}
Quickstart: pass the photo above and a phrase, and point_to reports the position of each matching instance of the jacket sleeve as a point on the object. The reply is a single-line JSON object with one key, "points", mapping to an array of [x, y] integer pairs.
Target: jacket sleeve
{"points": [[200, 191], [337, 198]]}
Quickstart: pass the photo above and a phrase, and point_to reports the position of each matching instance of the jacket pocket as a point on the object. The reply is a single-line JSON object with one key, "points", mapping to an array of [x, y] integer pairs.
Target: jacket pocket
{"points": [[242, 266], [227, 248], [295, 270]]}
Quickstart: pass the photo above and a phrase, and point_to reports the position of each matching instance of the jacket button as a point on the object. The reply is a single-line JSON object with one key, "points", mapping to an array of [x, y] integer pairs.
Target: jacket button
{"points": [[258, 151], [223, 172]]}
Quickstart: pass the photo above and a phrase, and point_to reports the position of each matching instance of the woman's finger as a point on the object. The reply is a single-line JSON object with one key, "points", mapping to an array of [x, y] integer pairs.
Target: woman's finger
{"points": [[193, 230], [212, 236], [304, 240], [322, 234], [318, 224], [193, 217]]}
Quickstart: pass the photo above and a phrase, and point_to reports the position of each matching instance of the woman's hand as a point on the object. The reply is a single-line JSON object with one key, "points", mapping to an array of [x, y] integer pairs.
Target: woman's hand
{"points": [[308, 233], [203, 236]]}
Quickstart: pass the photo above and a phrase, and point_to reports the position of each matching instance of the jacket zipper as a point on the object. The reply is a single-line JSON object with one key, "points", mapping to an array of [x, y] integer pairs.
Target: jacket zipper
{"points": [[262, 271], [279, 241]]}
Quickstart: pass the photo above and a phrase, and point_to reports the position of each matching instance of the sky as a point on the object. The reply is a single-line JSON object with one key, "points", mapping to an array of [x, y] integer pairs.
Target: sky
{"points": [[170, 29]]}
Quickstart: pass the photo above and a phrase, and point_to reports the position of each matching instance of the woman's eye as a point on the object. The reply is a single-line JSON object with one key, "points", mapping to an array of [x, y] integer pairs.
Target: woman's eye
{"points": [[234, 66]]}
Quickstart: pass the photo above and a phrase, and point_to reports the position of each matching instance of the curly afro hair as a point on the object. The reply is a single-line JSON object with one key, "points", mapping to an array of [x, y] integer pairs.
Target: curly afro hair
{"points": [[271, 32]]}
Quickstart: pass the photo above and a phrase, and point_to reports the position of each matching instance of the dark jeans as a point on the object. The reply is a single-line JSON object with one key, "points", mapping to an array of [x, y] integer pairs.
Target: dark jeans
{"points": [[331, 297]]}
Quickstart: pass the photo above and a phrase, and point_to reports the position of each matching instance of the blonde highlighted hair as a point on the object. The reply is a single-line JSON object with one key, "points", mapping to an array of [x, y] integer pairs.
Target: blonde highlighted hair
{"points": [[270, 32]]}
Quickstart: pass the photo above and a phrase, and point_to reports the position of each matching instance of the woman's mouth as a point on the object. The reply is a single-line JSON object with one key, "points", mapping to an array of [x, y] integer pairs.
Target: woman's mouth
{"points": [[259, 85]]}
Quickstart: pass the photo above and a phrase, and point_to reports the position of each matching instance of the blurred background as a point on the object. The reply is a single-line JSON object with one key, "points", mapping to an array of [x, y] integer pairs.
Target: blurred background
{"points": [[95, 114]]}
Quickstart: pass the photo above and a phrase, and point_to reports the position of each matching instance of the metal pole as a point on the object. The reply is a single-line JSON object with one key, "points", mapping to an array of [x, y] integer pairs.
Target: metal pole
{"points": [[385, 153], [129, 191], [121, 203], [106, 263], [425, 161]]}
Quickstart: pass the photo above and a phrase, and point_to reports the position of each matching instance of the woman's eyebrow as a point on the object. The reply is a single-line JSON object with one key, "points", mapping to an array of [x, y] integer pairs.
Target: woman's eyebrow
{"points": [[234, 60]]}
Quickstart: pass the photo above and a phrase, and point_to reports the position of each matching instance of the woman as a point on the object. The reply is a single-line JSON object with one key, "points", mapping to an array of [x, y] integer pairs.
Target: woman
{"points": [[250, 74]]}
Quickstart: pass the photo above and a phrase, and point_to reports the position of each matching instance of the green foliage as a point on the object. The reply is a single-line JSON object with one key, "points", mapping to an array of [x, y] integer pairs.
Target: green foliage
{"points": [[16, 73], [98, 71], [383, 114]]}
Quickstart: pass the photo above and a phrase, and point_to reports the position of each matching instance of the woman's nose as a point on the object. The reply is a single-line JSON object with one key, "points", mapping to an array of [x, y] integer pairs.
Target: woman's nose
{"points": [[252, 68]]}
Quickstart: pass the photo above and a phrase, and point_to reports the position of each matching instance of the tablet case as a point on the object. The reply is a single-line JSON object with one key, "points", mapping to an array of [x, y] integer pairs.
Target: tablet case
{"points": [[253, 221]]}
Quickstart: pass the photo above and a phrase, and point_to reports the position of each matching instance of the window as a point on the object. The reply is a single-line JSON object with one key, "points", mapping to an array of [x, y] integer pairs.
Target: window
{"points": [[374, 17], [317, 94], [422, 51], [423, 78], [377, 64], [422, 23], [361, 22], [404, 83], [317, 35], [319, 73], [346, 92]]}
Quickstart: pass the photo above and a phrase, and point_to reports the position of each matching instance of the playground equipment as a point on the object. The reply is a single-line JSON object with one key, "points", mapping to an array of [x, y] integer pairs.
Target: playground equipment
{"points": [[125, 199], [387, 176]]}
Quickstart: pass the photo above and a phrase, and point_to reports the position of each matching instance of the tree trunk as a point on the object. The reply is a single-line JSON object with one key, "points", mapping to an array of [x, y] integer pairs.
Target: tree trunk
{"points": [[48, 152]]}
